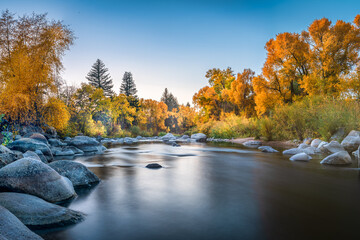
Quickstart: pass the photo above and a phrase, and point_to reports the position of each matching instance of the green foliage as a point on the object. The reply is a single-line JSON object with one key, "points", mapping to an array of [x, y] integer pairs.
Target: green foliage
{"points": [[161, 134]]}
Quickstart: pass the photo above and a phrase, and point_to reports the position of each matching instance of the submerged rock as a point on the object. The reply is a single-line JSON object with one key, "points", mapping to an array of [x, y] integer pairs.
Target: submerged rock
{"points": [[153, 165], [338, 158], [77, 173], [300, 157], [11, 228], [267, 149], [252, 144], [35, 212], [31, 176], [199, 137]]}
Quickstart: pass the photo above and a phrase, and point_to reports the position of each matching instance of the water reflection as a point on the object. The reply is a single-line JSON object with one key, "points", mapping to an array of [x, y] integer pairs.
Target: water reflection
{"points": [[207, 192]]}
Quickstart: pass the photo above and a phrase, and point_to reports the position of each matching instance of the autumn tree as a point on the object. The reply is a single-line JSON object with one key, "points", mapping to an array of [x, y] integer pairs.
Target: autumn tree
{"points": [[31, 50], [99, 77], [155, 114]]}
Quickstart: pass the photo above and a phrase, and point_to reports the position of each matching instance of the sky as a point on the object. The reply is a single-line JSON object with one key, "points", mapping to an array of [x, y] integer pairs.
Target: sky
{"points": [[171, 44]]}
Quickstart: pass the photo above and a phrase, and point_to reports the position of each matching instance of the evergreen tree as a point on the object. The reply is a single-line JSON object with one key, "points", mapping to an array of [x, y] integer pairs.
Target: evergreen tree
{"points": [[169, 100], [128, 86], [100, 78]]}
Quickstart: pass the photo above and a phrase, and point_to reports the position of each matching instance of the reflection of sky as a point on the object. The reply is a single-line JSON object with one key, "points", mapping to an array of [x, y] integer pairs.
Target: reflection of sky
{"points": [[173, 43]]}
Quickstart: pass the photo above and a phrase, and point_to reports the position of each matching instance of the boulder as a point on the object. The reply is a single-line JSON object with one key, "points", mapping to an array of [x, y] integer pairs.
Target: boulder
{"points": [[41, 156], [292, 151], [315, 143], [168, 137], [307, 141], [303, 146], [339, 135], [56, 142], [6, 156], [58, 151], [338, 158], [31, 176], [17, 137], [352, 141], [300, 157], [76, 172], [252, 144], [153, 165], [322, 144], [34, 212], [86, 144], [185, 136], [27, 131], [26, 144], [50, 132], [39, 137], [332, 147], [33, 155], [128, 140], [11, 228], [267, 149], [199, 137], [75, 150]]}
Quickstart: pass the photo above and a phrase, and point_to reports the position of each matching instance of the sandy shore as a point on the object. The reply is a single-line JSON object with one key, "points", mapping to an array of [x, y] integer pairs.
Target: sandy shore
{"points": [[274, 144]]}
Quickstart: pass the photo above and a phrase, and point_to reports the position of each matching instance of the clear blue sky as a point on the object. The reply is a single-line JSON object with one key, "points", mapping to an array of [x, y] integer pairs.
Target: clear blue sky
{"points": [[173, 43]]}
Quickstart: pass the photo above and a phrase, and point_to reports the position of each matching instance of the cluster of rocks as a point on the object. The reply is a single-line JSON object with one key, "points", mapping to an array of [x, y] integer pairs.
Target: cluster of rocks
{"points": [[32, 182], [167, 139], [338, 153]]}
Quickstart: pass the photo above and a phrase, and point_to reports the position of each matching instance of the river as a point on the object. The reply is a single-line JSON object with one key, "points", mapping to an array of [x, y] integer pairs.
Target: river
{"points": [[213, 192]]}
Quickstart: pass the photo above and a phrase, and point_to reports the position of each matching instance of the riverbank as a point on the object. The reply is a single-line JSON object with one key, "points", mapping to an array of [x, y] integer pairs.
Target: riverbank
{"points": [[274, 144]]}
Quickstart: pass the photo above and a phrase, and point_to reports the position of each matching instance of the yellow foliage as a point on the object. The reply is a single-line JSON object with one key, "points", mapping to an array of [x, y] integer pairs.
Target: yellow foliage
{"points": [[56, 114]]}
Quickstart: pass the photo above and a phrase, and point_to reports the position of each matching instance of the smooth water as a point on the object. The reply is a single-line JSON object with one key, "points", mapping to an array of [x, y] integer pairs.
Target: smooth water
{"points": [[213, 192]]}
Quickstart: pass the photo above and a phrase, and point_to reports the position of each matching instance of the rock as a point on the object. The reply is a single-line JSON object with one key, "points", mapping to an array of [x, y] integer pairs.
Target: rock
{"points": [[332, 147], [300, 157], [35, 212], [252, 144], [27, 131], [33, 155], [39, 137], [168, 137], [36, 178], [352, 141], [128, 141], [153, 165], [11, 228], [58, 151], [315, 143], [50, 132], [75, 150], [322, 144], [139, 137], [26, 144], [174, 144], [307, 141], [292, 151], [6, 156], [17, 137], [338, 158], [185, 137], [267, 149], [199, 137], [56, 142], [303, 146], [41, 156], [86, 144], [76, 172]]}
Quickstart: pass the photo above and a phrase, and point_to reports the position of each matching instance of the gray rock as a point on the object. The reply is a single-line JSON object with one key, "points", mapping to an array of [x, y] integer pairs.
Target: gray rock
{"points": [[75, 150], [11, 228], [199, 137], [78, 174], [128, 140], [292, 151], [39, 137], [307, 141], [41, 156], [340, 133], [322, 144], [352, 141], [58, 151], [315, 143], [26, 144], [300, 157], [168, 137], [86, 144], [338, 158], [267, 149], [185, 136], [17, 137], [56, 142], [332, 147], [35, 212], [6, 156], [33, 155], [303, 146], [252, 144], [36, 178]]}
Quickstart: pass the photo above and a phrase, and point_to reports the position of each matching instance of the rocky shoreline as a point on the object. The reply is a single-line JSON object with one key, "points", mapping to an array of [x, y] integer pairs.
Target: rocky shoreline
{"points": [[33, 182]]}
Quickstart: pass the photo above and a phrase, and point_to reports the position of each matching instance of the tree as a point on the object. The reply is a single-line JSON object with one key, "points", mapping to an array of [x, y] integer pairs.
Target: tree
{"points": [[155, 114], [100, 78], [31, 50], [128, 86], [169, 100]]}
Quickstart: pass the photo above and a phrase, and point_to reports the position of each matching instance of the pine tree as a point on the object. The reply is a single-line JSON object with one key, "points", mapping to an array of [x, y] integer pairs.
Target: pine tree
{"points": [[128, 86], [169, 100], [100, 78]]}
